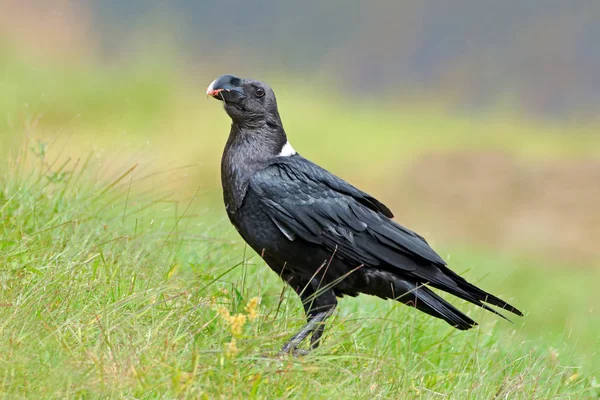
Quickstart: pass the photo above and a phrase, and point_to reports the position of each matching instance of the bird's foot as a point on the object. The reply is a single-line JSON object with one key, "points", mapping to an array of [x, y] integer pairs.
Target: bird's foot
{"points": [[294, 352]]}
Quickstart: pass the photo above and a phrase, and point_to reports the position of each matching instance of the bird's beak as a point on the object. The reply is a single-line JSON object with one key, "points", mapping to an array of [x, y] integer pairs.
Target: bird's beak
{"points": [[227, 88]]}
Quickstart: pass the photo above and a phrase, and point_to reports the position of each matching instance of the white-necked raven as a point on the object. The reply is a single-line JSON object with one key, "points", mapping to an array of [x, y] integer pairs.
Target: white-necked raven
{"points": [[323, 236]]}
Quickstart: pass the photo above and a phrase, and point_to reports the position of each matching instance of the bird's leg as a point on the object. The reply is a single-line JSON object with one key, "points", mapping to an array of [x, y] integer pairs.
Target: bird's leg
{"points": [[315, 340], [315, 325], [318, 305]]}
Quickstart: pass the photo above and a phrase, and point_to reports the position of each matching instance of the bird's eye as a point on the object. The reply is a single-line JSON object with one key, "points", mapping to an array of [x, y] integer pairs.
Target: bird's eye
{"points": [[260, 92]]}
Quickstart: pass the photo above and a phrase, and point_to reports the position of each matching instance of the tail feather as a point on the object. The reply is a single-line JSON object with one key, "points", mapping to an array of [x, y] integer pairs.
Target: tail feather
{"points": [[428, 271], [443, 278], [387, 285], [429, 302], [458, 286]]}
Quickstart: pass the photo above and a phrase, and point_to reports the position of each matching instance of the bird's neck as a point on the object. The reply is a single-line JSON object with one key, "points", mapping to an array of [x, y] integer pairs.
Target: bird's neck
{"points": [[248, 150], [257, 143]]}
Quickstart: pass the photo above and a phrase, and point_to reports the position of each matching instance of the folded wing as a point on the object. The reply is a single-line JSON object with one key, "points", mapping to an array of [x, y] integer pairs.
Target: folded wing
{"points": [[309, 203]]}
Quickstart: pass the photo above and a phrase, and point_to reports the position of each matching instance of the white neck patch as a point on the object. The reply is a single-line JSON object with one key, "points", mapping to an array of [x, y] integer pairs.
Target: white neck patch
{"points": [[287, 150]]}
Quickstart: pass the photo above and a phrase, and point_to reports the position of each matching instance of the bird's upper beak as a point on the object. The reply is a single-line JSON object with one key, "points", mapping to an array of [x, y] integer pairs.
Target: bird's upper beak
{"points": [[227, 88]]}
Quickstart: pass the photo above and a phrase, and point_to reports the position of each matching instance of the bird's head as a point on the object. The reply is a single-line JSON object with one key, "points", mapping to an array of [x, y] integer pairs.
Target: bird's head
{"points": [[246, 101]]}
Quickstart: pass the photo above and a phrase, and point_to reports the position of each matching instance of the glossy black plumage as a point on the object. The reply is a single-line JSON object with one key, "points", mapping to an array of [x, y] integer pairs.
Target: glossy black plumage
{"points": [[322, 235]]}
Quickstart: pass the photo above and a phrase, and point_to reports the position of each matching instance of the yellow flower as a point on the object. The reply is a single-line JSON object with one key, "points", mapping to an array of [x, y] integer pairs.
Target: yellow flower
{"points": [[252, 308], [237, 324], [231, 350]]}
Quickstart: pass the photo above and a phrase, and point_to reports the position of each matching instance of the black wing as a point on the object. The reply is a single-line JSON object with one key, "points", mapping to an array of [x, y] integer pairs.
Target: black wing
{"points": [[307, 202]]}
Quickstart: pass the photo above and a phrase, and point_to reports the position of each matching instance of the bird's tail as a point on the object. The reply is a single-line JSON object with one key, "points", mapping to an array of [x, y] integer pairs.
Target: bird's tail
{"points": [[447, 280], [424, 299], [389, 286]]}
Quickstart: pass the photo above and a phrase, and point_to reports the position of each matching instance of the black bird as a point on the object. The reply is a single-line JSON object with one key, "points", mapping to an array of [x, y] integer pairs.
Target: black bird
{"points": [[323, 236]]}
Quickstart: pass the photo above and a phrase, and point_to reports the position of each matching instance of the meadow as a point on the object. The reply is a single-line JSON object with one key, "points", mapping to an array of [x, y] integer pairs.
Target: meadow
{"points": [[121, 277]]}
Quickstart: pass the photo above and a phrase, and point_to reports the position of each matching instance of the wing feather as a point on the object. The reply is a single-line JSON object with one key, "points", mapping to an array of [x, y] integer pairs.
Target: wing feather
{"points": [[308, 202], [305, 201]]}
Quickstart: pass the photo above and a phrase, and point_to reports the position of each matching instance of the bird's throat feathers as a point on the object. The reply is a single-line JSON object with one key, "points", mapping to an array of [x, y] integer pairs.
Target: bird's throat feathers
{"points": [[257, 144], [248, 150]]}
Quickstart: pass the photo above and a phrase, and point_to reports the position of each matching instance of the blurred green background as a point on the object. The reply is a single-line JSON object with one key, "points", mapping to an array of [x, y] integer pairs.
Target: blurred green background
{"points": [[476, 122]]}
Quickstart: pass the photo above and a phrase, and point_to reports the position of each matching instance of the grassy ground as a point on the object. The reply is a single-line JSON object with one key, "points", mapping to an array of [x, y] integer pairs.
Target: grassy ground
{"points": [[112, 291], [111, 288]]}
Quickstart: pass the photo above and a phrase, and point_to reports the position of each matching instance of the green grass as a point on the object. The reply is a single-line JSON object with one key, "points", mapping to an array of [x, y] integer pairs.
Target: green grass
{"points": [[110, 290]]}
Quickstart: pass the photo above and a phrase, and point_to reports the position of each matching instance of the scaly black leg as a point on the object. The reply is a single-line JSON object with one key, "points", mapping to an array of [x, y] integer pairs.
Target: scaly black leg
{"points": [[315, 339], [319, 305]]}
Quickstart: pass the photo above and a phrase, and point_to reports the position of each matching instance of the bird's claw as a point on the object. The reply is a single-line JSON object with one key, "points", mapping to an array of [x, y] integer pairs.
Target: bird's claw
{"points": [[294, 352]]}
